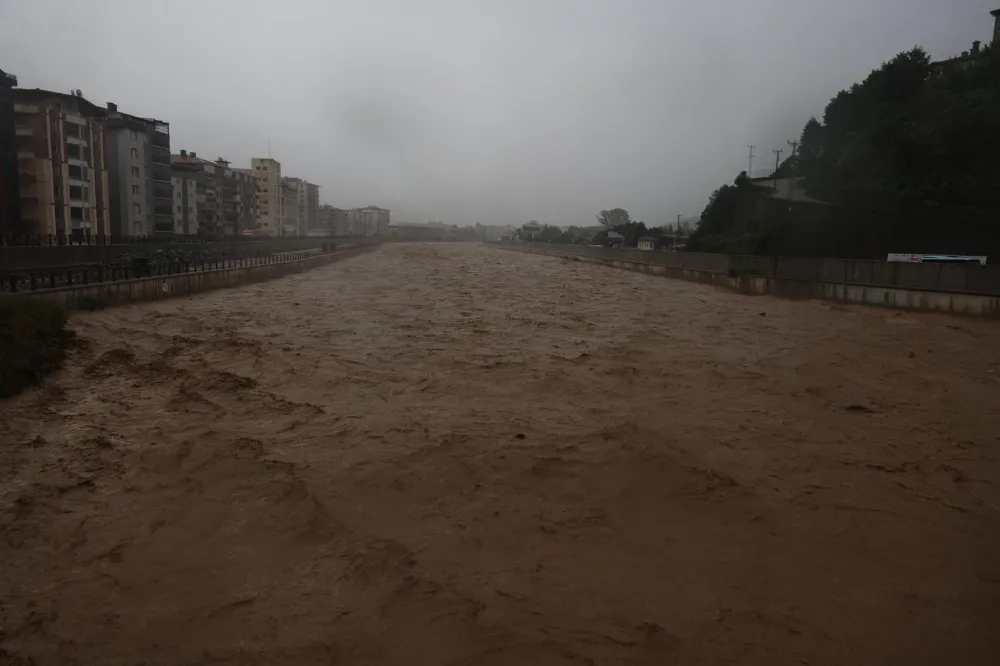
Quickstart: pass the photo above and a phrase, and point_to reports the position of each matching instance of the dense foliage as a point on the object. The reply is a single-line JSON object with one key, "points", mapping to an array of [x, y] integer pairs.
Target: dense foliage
{"points": [[613, 218], [913, 140], [908, 136], [33, 341]]}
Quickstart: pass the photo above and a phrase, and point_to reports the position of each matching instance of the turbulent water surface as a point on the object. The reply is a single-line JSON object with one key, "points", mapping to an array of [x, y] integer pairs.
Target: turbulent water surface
{"points": [[453, 454]]}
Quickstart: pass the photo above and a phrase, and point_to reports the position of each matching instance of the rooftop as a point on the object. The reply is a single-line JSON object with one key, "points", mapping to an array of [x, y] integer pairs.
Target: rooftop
{"points": [[786, 189]]}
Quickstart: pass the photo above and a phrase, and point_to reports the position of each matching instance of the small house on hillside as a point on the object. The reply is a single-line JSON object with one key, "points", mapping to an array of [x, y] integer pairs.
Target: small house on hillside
{"points": [[615, 239], [647, 243], [530, 230]]}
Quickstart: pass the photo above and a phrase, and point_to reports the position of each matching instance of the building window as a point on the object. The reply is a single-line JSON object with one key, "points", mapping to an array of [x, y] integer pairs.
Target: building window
{"points": [[135, 189], [135, 153], [133, 135], [76, 213], [135, 172], [179, 209], [74, 130], [136, 208], [77, 193], [74, 151], [76, 172]]}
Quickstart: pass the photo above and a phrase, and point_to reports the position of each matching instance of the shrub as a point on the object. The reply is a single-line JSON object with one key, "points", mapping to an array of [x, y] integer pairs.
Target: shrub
{"points": [[33, 342]]}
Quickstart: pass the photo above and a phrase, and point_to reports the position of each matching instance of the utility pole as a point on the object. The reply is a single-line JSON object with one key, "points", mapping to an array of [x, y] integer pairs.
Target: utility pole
{"points": [[795, 146], [750, 169], [777, 163]]}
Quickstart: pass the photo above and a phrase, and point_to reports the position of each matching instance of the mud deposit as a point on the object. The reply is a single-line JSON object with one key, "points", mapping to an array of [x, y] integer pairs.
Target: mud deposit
{"points": [[451, 454]]}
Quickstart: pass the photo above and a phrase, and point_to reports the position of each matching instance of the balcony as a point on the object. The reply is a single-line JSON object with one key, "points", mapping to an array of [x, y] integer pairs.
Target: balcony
{"points": [[161, 174], [25, 154], [160, 139], [23, 130]]}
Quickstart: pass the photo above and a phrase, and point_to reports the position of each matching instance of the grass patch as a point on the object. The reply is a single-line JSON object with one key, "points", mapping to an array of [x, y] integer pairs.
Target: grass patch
{"points": [[33, 342]]}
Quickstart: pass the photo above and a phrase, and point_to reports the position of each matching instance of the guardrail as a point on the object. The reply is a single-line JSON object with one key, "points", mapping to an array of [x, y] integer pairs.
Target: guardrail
{"points": [[50, 278]]}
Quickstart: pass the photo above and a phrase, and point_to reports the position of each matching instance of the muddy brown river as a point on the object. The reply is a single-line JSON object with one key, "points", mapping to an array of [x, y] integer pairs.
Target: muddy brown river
{"points": [[455, 454]]}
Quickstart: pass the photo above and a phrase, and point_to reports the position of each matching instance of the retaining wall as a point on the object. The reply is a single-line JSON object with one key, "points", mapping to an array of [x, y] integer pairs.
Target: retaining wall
{"points": [[954, 288], [104, 294]]}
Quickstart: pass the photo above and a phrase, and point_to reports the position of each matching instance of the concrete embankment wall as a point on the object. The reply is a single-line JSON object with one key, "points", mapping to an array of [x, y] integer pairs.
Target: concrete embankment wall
{"points": [[26, 257], [956, 288], [104, 294]]}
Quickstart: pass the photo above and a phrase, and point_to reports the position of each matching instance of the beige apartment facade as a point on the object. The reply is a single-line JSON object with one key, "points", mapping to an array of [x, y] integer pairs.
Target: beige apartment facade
{"points": [[62, 166], [267, 196]]}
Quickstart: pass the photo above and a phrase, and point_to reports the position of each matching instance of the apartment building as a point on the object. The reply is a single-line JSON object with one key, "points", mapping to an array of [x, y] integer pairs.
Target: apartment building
{"points": [[140, 175], [268, 203], [308, 204], [333, 221], [61, 142], [237, 194], [10, 198], [291, 223], [369, 221], [184, 182], [212, 198]]}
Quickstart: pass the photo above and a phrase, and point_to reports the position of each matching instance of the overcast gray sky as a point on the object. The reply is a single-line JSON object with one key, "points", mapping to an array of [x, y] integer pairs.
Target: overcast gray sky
{"points": [[493, 111]]}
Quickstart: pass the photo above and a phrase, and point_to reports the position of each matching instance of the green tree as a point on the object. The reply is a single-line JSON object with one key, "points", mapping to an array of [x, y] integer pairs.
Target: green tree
{"points": [[615, 217]]}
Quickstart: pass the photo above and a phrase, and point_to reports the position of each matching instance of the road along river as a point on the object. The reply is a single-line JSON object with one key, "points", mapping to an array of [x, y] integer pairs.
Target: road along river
{"points": [[452, 454]]}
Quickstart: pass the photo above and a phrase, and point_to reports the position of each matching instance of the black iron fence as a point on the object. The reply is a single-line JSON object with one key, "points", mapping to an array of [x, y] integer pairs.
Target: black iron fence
{"points": [[81, 238], [141, 267]]}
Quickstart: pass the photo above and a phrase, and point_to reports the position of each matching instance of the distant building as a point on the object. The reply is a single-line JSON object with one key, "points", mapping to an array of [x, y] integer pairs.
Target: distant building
{"points": [[301, 204], [647, 243], [334, 221], [530, 230], [308, 204], [971, 57], [184, 179], [140, 188], [267, 174], [369, 221], [288, 207], [10, 197], [224, 197], [62, 165]]}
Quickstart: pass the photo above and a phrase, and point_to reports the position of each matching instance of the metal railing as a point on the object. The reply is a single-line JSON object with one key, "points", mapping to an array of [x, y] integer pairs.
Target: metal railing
{"points": [[53, 277], [56, 240]]}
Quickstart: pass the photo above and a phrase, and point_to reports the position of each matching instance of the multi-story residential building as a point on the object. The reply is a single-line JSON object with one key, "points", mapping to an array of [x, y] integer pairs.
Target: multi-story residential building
{"points": [[62, 163], [184, 180], [269, 208], [187, 167], [333, 221], [369, 221], [223, 197], [290, 221], [140, 179], [308, 204], [237, 192], [10, 198]]}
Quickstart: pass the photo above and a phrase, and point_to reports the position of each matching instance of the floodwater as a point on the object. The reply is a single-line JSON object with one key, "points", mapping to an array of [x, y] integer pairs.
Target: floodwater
{"points": [[455, 454]]}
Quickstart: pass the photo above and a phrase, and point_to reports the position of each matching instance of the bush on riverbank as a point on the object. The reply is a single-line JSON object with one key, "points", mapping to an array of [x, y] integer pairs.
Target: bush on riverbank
{"points": [[33, 342]]}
